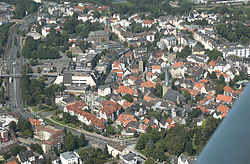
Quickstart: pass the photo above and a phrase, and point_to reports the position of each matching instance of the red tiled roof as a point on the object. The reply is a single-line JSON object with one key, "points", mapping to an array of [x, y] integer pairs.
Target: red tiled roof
{"points": [[199, 85], [223, 115], [147, 98], [126, 118], [203, 81], [77, 108], [146, 121], [35, 122], [11, 162], [225, 98], [228, 89], [148, 21], [204, 109], [169, 120], [110, 107], [171, 126], [127, 104], [223, 108], [156, 67], [148, 84], [126, 90], [212, 63], [192, 92], [178, 64]]}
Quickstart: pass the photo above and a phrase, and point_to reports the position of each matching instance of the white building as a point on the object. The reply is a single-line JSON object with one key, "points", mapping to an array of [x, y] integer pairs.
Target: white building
{"points": [[69, 158], [104, 90], [115, 149], [78, 78], [237, 51], [6, 119]]}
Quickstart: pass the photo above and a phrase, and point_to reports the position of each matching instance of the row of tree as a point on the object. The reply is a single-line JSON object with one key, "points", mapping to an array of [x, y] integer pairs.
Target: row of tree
{"points": [[4, 29]]}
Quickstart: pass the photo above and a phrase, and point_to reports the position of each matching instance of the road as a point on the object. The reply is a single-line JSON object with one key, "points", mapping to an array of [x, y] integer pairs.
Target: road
{"points": [[95, 136], [14, 66], [13, 63]]}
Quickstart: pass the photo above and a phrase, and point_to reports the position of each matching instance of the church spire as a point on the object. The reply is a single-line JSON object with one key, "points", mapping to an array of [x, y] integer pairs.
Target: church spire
{"points": [[166, 77]]}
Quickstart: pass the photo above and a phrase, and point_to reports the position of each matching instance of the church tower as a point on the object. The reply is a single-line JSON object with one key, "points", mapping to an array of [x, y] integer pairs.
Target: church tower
{"points": [[166, 85]]}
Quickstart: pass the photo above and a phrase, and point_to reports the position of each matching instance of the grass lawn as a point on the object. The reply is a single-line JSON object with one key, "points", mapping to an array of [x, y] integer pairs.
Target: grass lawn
{"points": [[60, 122], [36, 109]]}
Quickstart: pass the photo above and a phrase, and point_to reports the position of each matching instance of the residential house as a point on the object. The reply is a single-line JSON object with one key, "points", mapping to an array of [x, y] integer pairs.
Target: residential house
{"points": [[129, 158], [184, 159], [147, 23], [50, 136], [26, 157], [224, 99], [104, 90], [228, 91], [69, 157], [124, 119], [77, 108], [110, 110], [116, 148]]}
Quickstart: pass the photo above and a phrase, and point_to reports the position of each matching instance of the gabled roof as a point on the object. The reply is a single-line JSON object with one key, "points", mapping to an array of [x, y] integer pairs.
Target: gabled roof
{"points": [[228, 89], [178, 64], [199, 86], [109, 107], [173, 95], [148, 21], [224, 98], [148, 84], [35, 122], [223, 108], [26, 155]]}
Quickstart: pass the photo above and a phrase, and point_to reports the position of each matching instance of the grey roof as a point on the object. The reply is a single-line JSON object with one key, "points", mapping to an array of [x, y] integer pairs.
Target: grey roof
{"points": [[129, 156], [26, 155], [172, 95], [98, 33], [67, 78], [68, 155]]}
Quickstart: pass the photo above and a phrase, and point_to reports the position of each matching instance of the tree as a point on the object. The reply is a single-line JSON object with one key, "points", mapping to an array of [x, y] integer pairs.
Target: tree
{"points": [[158, 90], [128, 97], [210, 125], [23, 124], [27, 133], [38, 70], [213, 75], [141, 143], [186, 51], [6, 156], [17, 149], [162, 76], [13, 126], [136, 134], [82, 141], [150, 161], [70, 142], [106, 152], [66, 117], [37, 148], [175, 145], [214, 54], [187, 95], [69, 54]]}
